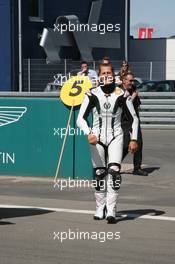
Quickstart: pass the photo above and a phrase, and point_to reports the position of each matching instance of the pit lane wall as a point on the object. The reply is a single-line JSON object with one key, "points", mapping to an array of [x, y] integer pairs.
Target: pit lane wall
{"points": [[32, 131]]}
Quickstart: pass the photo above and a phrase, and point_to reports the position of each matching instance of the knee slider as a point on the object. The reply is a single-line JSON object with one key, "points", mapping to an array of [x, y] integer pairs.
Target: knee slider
{"points": [[116, 177], [100, 174]]}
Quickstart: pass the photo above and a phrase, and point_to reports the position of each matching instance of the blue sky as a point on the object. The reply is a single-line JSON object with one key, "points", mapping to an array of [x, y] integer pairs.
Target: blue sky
{"points": [[159, 14]]}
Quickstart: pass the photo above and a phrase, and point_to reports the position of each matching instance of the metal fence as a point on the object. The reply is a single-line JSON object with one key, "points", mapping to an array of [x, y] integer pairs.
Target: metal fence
{"points": [[157, 110], [37, 73]]}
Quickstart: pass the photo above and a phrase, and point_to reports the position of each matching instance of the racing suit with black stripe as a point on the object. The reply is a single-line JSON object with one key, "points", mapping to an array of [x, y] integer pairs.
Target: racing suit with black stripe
{"points": [[106, 109]]}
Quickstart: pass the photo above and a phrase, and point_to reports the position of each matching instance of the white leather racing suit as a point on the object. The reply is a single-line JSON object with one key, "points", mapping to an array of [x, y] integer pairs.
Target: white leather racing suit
{"points": [[106, 112]]}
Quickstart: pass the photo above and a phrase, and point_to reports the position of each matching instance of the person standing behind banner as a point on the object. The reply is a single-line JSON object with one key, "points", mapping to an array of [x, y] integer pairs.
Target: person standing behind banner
{"points": [[132, 94], [124, 69], [106, 60], [85, 71]]}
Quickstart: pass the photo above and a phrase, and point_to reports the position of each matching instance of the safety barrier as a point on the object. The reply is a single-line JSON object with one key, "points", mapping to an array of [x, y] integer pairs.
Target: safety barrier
{"points": [[157, 110], [32, 127]]}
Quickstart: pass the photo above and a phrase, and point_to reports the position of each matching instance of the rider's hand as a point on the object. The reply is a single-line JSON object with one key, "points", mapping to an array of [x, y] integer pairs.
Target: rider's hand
{"points": [[92, 139], [133, 146]]}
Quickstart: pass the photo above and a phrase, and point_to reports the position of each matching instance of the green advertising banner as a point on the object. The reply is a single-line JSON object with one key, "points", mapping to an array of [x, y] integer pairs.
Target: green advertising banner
{"points": [[32, 132]]}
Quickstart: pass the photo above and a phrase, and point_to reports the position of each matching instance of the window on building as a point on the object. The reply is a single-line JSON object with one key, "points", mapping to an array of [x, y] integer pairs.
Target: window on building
{"points": [[35, 9]]}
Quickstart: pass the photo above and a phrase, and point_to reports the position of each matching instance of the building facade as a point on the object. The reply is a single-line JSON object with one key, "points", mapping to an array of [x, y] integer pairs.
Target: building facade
{"points": [[39, 14]]}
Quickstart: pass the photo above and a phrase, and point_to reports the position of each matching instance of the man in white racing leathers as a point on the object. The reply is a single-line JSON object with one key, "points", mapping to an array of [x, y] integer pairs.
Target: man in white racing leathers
{"points": [[106, 102]]}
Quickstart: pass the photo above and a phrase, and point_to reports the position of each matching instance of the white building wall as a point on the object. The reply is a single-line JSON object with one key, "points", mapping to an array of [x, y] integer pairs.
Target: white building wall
{"points": [[170, 59]]}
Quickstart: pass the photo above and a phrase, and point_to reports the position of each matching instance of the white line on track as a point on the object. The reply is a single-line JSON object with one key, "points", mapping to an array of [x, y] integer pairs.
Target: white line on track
{"points": [[75, 211]]}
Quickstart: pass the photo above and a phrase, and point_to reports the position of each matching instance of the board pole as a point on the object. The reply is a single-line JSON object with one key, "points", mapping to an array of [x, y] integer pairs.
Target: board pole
{"points": [[63, 145]]}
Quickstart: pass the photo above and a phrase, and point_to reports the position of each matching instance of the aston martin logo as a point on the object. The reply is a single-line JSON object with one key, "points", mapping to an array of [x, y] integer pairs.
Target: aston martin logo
{"points": [[11, 114]]}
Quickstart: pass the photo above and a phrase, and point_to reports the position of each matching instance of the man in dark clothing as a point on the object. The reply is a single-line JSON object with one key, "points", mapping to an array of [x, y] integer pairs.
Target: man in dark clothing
{"points": [[126, 122]]}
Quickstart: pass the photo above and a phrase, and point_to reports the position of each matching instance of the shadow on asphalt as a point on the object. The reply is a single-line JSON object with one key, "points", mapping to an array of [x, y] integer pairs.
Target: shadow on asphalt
{"points": [[19, 212], [149, 170], [134, 214]]}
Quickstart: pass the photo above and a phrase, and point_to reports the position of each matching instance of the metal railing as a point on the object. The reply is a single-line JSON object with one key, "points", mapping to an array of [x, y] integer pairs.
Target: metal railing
{"points": [[157, 110], [37, 73]]}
